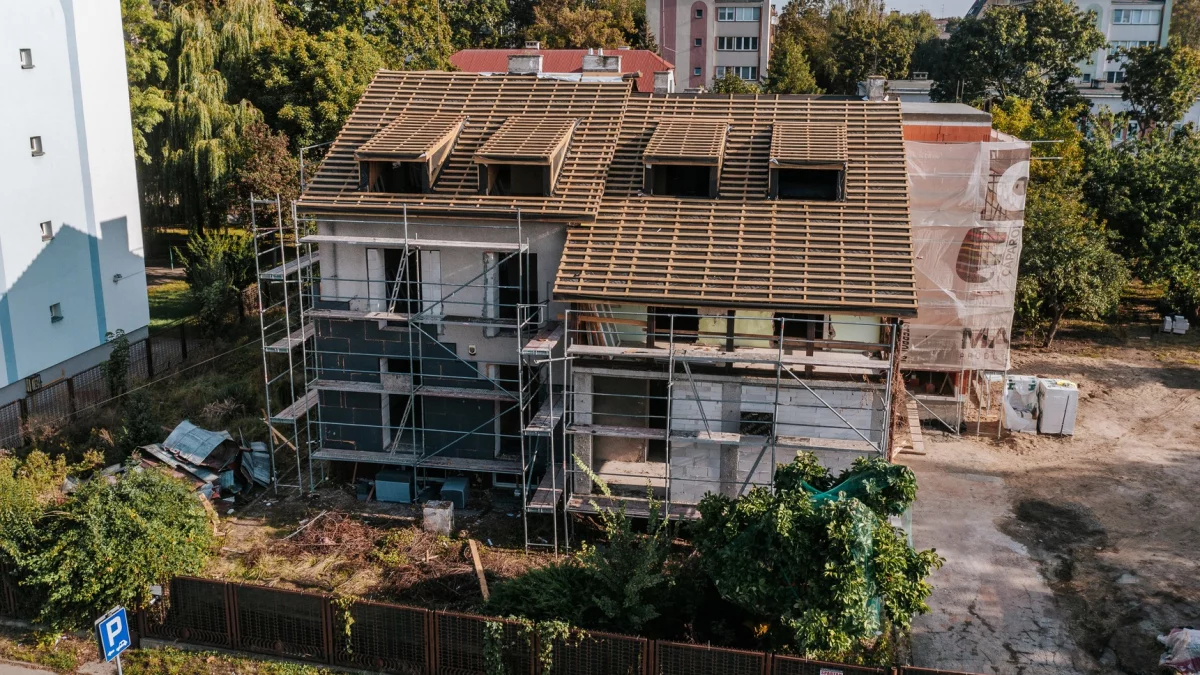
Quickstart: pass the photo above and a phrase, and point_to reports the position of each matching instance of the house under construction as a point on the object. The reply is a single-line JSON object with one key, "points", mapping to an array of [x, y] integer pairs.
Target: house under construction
{"points": [[534, 283]]}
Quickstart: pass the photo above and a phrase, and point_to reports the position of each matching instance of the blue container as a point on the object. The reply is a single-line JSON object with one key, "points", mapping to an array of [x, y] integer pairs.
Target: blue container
{"points": [[394, 485]]}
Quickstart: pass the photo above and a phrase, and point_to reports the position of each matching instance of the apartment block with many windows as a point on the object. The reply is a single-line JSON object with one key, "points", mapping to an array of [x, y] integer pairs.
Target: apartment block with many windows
{"points": [[707, 38]]}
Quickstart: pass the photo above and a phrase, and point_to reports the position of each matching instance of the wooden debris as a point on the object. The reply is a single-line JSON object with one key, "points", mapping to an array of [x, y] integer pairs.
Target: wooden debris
{"points": [[479, 569]]}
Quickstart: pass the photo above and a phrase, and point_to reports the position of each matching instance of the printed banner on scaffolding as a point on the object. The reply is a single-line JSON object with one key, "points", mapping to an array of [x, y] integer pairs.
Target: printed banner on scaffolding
{"points": [[968, 213]]}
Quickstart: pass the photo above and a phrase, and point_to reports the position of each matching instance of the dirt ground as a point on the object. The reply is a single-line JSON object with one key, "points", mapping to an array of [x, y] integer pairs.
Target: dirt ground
{"points": [[1069, 555]]}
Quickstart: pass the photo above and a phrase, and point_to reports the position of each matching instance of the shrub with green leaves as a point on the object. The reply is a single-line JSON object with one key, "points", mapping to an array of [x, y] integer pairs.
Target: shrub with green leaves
{"points": [[219, 266], [815, 560], [110, 541]]}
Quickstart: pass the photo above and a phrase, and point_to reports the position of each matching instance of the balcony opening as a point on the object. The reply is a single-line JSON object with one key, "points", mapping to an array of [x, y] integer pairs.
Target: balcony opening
{"points": [[403, 285], [809, 184], [518, 285]]}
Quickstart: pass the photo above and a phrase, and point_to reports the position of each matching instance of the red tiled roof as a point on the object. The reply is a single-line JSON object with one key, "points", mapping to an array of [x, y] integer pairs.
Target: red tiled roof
{"points": [[563, 61]]}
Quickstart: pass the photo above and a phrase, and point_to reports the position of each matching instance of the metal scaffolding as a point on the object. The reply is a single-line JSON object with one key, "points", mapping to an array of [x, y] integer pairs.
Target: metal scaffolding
{"points": [[747, 387], [283, 267]]}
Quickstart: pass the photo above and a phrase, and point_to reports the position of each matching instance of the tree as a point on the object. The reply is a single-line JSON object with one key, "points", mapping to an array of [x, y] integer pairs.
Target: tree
{"points": [[1185, 23], [306, 85], [146, 38], [219, 267], [27, 487], [732, 83], [577, 24], [788, 71], [1028, 51], [1146, 190], [193, 149], [138, 425], [1161, 84], [476, 24], [267, 170], [412, 34], [1067, 265], [869, 42], [110, 542], [1060, 132], [809, 24], [814, 559], [116, 367]]}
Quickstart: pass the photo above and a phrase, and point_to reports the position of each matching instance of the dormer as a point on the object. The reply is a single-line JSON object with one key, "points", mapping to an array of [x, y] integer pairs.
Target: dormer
{"points": [[406, 156], [683, 157], [808, 161], [524, 156]]}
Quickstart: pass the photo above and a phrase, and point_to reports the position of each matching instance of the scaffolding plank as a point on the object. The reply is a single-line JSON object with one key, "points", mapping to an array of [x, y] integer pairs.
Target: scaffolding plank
{"points": [[448, 319], [290, 267], [786, 442], [297, 410], [546, 340], [634, 506], [617, 432], [548, 492], [290, 342], [547, 417], [841, 361], [356, 315], [499, 465], [400, 386], [399, 242]]}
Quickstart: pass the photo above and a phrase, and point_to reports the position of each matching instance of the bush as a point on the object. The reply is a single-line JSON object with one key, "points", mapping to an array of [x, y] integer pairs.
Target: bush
{"points": [[815, 561], [110, 541], [219, 267]]}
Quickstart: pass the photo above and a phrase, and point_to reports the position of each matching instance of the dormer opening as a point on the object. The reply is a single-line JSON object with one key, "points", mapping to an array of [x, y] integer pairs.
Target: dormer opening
{"points": [[524, 156], [808, 162], [406, 156], [683, 158]]}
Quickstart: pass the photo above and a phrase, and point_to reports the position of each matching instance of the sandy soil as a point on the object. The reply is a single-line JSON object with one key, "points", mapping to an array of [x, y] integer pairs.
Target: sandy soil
{"points": [[1069, 555]]}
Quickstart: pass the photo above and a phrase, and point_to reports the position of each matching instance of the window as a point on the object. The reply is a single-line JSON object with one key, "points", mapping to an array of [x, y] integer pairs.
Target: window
{"points": [[1115, 76], [56, 313], [756, 423], [683, 323], [513, 289], [739, 13], [744, 72], [681, 180], [700, 14], [47, 231], [1117, 45], [26, 59], [737, 44], [813, 184], [698, 42], [515, 180], [696, 72], [35, 146], [1087, 77], [393, 177], [1137, 16]]}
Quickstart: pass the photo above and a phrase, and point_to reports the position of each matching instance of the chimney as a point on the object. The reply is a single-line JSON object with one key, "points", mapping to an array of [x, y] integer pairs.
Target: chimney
{"points": [[874, 89], [533, 44], [599, 63], [664, 81], [524, 64]]}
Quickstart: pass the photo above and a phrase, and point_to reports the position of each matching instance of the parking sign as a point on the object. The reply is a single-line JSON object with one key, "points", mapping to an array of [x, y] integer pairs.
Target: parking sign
{"points": [[112, 630]]}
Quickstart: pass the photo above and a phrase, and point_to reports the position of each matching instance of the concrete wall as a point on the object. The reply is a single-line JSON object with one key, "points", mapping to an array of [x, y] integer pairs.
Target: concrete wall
{"points": [[76, 99]]}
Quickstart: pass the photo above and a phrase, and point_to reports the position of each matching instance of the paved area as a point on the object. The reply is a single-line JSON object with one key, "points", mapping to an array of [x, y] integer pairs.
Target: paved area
{"points": [[13, 669], [992, 611]]}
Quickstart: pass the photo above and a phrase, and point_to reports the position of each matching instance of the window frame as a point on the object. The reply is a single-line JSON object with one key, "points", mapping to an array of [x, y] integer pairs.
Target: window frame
{"points": [[731, 43], [56, 314], [698, 42], [739, 14], [47, 229], [696, 72], [36, 148], [700, 13], [26, 55]]}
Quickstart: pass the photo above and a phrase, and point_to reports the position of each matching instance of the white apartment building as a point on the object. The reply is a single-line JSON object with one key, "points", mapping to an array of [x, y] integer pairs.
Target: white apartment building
{"points": [[71, 259], [705, 38]]}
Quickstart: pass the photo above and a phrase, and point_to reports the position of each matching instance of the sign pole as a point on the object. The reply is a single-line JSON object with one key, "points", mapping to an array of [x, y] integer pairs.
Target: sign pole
{"points": [[119, 665]]}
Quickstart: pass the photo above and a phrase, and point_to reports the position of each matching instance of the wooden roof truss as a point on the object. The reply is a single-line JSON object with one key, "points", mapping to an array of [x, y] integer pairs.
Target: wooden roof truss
{"points": [[800, 146]]}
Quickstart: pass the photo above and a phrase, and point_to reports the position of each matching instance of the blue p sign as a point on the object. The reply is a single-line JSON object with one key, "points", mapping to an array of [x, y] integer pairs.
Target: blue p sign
{"points": [[112, 629]]}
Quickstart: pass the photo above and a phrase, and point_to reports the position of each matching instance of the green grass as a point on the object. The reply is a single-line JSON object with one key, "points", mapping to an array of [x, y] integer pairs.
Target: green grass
{"points": [[179, 662], [168, 303]]}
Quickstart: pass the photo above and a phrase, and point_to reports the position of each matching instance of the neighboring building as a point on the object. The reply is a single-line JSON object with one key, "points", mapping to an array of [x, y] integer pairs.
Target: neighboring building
{"points": [[508, 273], [914, 90], [1126, 23], [647, 70], [704, 38], [71, 244]]}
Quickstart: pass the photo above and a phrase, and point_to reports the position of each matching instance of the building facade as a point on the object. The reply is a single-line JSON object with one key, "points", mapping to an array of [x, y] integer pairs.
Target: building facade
{"points": [[705, 38], [71, 258], [648, 71]]}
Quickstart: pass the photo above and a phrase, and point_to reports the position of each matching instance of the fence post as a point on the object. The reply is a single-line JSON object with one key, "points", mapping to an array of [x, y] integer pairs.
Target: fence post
{"points": [[183, 341], [327, 628], [23, 410], [231, 616], [149, 358], [71, 408]]}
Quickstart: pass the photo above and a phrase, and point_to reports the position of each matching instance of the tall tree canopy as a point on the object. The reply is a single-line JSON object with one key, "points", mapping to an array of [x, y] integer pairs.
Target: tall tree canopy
{"points": [[788, 71], [1028, 51], [869, 42], [577, 24], [1161, 84]]}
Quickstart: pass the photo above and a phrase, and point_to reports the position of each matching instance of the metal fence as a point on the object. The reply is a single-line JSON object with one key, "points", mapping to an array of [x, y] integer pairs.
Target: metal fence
{"points": [[414, 641], [57, 402]]}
